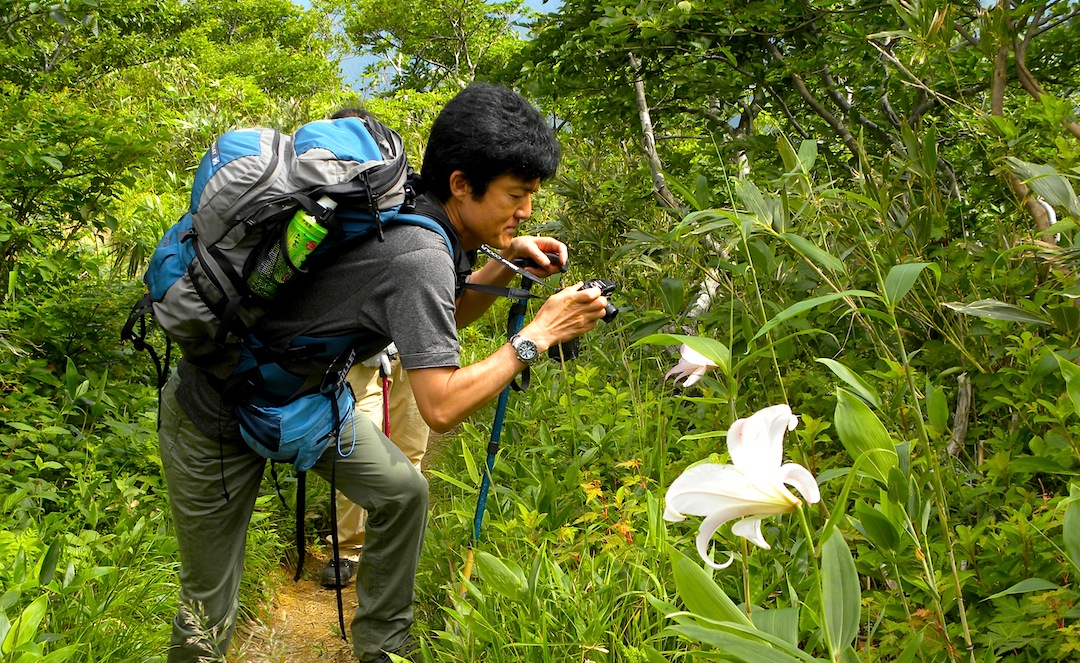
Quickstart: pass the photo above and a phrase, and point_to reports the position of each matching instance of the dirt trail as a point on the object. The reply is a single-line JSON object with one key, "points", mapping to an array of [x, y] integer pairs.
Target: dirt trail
{"points": [[302, 624]]}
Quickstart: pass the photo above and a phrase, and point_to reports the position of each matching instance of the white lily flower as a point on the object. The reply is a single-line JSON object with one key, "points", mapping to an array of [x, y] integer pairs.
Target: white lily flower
{"points": [[692, 365], [752, 487]]}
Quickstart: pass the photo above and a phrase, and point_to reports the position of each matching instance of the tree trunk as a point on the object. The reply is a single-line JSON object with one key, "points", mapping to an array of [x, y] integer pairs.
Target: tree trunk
{"points": [[648, 141], [997, 108]]}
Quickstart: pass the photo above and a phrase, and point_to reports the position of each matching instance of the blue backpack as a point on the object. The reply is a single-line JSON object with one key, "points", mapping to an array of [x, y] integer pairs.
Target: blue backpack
{"points": [[247, 188]]}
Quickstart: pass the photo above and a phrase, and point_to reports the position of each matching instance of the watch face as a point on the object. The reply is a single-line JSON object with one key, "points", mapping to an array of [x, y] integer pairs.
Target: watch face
{"points": [[526, 349]]}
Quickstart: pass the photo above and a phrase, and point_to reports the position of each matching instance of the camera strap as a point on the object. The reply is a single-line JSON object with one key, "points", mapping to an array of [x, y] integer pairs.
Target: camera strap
{"points": [[520, 294]]}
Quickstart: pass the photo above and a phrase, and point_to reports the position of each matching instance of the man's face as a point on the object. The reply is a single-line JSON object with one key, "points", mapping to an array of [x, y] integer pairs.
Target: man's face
{"points": [[493, 218]]}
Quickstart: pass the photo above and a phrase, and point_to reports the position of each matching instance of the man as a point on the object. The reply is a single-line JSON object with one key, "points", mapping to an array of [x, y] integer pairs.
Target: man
{"points": [[486, 156]]}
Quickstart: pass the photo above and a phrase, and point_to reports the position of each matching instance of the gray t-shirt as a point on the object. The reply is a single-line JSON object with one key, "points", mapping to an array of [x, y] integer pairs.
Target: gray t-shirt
{"points": [[400, 289]]}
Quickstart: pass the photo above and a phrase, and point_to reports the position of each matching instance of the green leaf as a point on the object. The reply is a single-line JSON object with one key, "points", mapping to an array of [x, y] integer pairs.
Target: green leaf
{"points": [[48, 564], [498, 575], [1024, 586], [653, 656], [807, 304], [754, 201], [937, 408], [470, 464], [808, 152], [1048, 183], [700, 593], [5, 627], [450, 480], [53, 163], [733, 647], [1071, 373], [787, 153], [782, 623], [901, 278], [992, 309], [710, 348], [1070, 525], [911, 649], [878, 528], [62, 654], [25, 626], [814, 253], [861, 432], [853, 380], [840, 592]]}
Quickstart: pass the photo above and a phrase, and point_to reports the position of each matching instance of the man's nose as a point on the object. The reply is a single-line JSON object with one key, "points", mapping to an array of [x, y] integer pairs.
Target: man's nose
{"points": [[524, 211]]}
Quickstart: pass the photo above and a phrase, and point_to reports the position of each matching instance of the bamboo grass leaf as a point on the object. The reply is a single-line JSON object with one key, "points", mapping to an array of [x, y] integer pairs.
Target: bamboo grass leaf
{"points": [[901, 278], [498, 575], [853, 380], [25, 626], [710, 348], [807, 304], [470, 464], [1048, 183], [814, 253], [808, 152], [754, 201], [1025, 586], [48, 564], [993, 309]]}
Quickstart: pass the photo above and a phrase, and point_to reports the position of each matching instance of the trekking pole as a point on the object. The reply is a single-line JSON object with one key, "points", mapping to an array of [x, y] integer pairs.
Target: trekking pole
{"points": [[515, 321]]}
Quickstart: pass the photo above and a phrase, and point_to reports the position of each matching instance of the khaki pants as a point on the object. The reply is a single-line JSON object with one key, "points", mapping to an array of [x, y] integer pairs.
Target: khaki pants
{"points": [[408, 431], [213, 484]]}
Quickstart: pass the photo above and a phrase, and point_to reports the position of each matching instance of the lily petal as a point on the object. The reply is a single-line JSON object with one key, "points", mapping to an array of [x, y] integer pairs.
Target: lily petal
{"points": [[802, 480], [705, 489], [709, 527], [756, 443], [750, 529], [692, 366], [692, 356]]}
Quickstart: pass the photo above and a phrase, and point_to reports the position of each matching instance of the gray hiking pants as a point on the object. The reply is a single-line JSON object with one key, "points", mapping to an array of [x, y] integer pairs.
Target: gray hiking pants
{"points": [[212, 530]]}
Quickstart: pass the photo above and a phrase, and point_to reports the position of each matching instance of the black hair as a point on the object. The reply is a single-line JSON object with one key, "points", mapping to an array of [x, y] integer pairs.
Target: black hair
{"points": [[351, 112], [487, 131]]}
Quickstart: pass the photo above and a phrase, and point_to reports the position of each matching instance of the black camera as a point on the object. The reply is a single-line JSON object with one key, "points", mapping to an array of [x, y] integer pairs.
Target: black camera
{"points": [[607, 288], [570, 349]]}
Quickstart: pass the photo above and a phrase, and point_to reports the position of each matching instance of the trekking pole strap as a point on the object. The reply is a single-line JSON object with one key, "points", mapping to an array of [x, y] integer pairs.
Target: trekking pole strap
{"points": [[518, 294]]}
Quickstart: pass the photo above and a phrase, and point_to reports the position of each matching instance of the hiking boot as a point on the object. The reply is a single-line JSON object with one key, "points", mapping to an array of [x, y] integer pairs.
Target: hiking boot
{"points": [[409, 650], [346, 569]]}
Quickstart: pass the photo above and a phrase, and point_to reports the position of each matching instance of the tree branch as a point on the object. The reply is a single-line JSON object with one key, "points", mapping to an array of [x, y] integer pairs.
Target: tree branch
{"points": [[836, 123], [1023, 74]]}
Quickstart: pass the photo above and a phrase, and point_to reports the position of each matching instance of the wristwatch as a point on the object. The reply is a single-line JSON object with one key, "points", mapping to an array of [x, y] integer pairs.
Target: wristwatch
{"points": [[526, 349]]}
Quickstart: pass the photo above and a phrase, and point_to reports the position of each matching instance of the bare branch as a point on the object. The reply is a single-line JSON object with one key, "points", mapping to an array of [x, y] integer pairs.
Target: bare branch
{"points": [[836, 123]]}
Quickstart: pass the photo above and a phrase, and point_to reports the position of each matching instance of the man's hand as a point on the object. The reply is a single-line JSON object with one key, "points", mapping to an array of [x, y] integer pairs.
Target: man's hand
{"points": [[446, 395], [567, 314], [535, 249]]}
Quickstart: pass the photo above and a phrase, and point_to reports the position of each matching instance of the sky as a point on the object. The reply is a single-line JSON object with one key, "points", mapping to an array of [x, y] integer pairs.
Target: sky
{"points": [[352, 65]]}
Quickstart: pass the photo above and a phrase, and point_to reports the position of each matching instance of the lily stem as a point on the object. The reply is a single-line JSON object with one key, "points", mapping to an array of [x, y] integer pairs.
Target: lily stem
{"points": [[815, 565]]}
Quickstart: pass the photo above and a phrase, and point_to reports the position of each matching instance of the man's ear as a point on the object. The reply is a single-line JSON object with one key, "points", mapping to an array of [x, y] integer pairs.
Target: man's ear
{"points": [[460, 187]]}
